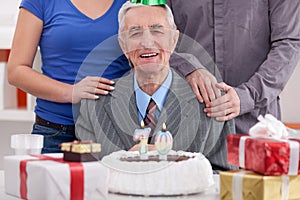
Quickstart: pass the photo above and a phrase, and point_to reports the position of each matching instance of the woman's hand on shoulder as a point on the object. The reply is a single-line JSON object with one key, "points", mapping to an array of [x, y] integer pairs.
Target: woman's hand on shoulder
{"points": [[90, 88]]}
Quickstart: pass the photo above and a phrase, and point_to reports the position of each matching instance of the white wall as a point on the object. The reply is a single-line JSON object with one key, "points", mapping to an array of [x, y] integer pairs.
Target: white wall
{"points": [[8, 16], [8, 12], [290, 99]]}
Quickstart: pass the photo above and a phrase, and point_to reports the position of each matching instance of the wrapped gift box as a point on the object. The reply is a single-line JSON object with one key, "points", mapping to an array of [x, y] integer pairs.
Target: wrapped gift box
{"points": [[54, 179], [264, 155], [252, 186]]}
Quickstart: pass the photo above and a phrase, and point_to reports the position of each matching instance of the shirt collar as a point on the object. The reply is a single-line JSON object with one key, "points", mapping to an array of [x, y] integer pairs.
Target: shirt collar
{"points": [[142, 99]]}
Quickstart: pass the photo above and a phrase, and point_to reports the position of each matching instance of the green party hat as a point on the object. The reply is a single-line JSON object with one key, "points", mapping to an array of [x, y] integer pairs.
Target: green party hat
{"points": [[149, 2]]}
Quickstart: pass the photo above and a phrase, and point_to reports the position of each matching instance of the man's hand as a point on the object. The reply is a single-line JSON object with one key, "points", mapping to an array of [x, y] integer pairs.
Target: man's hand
{"points": [[90, 87], [225, 107], [203, 84], [151, 147]]}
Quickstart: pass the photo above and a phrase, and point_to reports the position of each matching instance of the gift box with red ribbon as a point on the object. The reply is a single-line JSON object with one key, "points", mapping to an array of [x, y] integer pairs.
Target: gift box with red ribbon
{"points": [[50, 177], [264, 155]]}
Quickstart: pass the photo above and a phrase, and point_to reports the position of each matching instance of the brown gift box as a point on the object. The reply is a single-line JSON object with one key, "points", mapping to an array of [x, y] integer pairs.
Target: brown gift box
{"points": [[258, 187]]}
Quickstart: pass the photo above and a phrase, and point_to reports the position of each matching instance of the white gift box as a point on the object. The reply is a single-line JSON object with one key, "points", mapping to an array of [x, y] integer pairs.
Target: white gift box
{"points": [[48, 179]]}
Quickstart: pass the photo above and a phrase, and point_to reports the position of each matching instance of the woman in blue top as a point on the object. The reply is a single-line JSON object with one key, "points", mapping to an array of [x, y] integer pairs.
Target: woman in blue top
{"points": [[66, 31]]}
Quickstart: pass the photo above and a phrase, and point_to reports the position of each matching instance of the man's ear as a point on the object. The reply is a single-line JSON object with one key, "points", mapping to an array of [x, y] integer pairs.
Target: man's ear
{"points": [[174, 40], [122, 45]]}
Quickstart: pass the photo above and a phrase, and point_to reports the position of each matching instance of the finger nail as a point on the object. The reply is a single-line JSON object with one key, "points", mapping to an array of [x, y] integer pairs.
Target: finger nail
{"points": [[111, 88], [96, 97], [112, 82], [105, 92]]}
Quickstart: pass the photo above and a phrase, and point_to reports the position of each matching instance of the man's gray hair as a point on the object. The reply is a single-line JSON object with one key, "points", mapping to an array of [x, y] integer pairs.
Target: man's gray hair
{"points": [[127, 5]]}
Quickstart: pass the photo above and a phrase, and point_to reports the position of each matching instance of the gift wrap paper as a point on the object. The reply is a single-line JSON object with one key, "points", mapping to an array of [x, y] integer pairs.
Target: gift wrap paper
{"points": [[258, 187], [263, 155], [49, 180]]}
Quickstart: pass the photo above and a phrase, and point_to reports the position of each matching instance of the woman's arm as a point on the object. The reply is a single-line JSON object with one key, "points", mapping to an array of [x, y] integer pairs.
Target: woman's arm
{"points": [[20, 73]]}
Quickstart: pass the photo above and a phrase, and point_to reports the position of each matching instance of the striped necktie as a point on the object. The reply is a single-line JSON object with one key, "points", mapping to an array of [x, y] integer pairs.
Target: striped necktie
{"points": [[150, 118]]}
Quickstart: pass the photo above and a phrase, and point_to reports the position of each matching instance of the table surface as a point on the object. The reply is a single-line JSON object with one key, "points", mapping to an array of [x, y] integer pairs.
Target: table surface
{"points": [[211, 194]]}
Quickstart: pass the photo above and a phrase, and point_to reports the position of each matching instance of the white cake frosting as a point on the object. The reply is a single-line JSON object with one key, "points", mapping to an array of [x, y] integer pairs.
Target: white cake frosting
{"points": [[189, 176]]}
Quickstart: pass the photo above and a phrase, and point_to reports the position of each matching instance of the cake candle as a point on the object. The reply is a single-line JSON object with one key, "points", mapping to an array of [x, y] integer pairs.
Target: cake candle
{"points": [[142, 135], [163, 142]]}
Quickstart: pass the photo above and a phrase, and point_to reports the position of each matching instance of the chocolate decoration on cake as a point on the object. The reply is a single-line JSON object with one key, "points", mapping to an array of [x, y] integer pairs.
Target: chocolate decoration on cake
{"points": [[81, 151], [170, 158]]}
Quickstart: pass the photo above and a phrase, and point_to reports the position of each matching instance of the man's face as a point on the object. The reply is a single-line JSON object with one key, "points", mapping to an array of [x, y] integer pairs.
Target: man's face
{"points": [[148, 39]]}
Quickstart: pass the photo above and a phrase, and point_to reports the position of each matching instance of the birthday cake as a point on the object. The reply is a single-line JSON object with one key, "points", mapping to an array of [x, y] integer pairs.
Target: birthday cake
{"points": [[180, 174]]}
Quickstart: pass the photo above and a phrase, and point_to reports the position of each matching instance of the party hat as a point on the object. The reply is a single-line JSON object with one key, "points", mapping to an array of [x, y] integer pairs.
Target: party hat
{"points": [[149, 2]]}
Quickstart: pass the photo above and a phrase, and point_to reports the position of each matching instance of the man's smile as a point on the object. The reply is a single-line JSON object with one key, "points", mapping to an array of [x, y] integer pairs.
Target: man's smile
{"points": [[148, 55]]}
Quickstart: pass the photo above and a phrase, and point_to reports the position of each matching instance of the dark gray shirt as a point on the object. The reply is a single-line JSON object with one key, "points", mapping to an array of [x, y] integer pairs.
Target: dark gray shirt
{"points": [[255, 44]]}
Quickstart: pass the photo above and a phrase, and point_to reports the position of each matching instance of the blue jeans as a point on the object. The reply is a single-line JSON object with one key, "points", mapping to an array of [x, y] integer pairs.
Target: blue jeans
{"points": [[53, 137]]}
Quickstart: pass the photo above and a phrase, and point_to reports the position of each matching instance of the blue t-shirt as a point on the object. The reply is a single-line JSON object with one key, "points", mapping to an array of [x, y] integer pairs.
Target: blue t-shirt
{"points": [[73, 46]]}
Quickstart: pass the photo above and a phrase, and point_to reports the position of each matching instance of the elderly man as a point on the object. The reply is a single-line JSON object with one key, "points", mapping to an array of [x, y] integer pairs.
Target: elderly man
{"points": [[148, 36]]}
